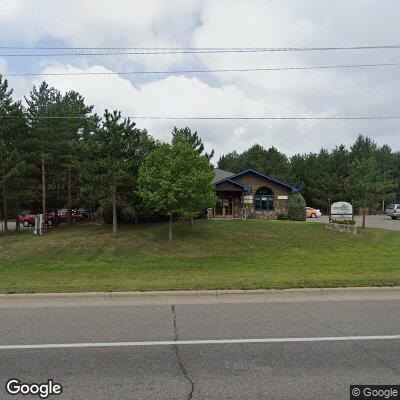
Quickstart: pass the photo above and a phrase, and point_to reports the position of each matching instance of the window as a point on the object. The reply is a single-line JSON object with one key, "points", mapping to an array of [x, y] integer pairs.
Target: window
{"points": [[264, 199]]}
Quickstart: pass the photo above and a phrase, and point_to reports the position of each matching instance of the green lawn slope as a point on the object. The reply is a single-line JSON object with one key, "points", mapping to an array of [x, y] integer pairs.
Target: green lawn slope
{"points": [[249, 254]]}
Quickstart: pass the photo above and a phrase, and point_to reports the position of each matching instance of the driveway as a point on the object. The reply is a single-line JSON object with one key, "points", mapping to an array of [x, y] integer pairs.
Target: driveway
{"points": [[11, 226], [373, 221]]}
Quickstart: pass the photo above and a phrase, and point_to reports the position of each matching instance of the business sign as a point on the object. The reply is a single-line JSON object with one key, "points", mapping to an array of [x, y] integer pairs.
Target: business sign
{"points": [[248, 198], [341, 209], [283, 197]]}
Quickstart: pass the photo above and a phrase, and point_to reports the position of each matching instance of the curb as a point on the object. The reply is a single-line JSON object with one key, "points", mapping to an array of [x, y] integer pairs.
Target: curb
{"points": [[204, 293]]}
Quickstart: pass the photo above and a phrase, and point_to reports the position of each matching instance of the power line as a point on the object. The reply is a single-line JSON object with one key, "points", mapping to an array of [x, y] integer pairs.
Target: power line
{"points": [[248, 48], [196, 71], [180, 50], [371, 117]]}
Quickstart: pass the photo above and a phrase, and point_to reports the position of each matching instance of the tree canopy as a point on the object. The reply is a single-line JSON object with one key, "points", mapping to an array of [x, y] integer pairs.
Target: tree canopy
{"points": [[177, 180]]}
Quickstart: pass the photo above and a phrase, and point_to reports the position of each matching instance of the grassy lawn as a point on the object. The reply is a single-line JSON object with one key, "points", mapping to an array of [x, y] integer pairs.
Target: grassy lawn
{"points": [[212, 254]]}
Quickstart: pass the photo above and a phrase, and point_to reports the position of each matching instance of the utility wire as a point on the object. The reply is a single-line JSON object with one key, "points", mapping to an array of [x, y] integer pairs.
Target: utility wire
{"points": [[194, 49], [373, 117], [178, 50], [197, 71]]}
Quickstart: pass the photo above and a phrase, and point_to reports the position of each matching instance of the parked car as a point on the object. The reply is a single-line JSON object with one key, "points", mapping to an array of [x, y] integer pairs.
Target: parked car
{"points": [[313, 212], [62, 216], [83, 212], [393, 211], [27, 218]]}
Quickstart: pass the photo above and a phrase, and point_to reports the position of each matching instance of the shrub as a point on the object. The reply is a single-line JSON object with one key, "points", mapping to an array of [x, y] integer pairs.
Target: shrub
{"points": [[282, 216], [297, 208]]}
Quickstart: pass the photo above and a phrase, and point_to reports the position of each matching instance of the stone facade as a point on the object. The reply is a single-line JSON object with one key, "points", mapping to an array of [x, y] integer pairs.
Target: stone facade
{"points": [[236, 195], [255, 182]]}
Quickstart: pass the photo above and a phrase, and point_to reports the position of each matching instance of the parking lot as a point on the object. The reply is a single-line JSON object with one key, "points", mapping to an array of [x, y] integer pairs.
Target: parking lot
{"points": [[373, 221]]}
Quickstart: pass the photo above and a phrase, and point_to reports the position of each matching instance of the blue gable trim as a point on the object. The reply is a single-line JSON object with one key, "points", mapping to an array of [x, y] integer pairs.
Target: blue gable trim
{"points": [[293, 188], [245, 188]]}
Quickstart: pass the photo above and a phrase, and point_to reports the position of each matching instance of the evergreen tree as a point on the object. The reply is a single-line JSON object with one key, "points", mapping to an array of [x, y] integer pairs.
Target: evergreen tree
{"points": [[297, 208], [111, 160], [44, 134], [366, 181], [185, 135], [79, 124], [12, 130]]}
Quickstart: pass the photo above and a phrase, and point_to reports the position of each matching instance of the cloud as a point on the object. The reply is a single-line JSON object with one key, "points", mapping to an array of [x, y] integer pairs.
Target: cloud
{"points": [[228, 23], [177, 96], [151, 23]]}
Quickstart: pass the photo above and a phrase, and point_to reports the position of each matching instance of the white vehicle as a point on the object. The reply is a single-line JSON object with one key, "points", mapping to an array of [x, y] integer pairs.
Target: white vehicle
{"points": [[393, 211]]}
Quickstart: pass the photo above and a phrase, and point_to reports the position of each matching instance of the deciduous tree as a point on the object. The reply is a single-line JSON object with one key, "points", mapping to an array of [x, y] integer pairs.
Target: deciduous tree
{"points": [[176, 180]]}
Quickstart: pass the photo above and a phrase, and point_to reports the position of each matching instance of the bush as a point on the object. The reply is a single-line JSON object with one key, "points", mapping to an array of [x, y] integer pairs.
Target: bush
{"points": [[282, 216], [297, 208]]}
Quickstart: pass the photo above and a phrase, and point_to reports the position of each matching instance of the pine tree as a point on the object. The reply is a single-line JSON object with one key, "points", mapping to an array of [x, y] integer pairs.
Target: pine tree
{"points": [[44, 130], [111, 162], [185, 135], [12, 166], [366, 181]]}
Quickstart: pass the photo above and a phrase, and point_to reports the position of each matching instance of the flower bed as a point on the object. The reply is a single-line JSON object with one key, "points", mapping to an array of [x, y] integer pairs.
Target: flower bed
{"points": [[343, 221]]}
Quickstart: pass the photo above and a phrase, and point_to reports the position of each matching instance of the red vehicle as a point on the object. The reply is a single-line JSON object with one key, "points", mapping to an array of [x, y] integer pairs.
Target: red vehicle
{"points": [[28, 219], [62, 216]]}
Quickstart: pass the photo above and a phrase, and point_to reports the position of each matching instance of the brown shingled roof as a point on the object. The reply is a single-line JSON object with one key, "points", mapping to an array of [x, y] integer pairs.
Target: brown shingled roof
{"points": [[221, 174]]}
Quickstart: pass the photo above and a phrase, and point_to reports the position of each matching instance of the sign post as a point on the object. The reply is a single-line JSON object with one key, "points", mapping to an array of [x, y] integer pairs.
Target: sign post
{"points": [[38, 225]]}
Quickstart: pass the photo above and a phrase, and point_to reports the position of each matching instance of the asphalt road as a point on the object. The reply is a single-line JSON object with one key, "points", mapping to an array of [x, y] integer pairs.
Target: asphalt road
{"points": [[319, 362]]}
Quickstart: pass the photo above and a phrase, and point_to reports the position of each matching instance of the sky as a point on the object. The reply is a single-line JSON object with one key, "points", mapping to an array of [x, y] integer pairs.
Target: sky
{"points": [[222, 23]]}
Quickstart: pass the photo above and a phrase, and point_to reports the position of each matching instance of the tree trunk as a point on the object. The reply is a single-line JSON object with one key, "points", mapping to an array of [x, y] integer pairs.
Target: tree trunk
{"points": [[4, 188], [56, 210], [5, 214], [43, 195], [363, 211], [17, 224], [191, 221], [170, 229], [69, 200], [114, 209]]}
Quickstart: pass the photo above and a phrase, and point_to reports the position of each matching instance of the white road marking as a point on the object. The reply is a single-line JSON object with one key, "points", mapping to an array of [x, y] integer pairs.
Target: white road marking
{"points": [[195, 342]]}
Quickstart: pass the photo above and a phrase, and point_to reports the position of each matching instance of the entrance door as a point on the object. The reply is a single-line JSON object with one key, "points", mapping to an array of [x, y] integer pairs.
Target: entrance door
{"points": [[224, 207]]}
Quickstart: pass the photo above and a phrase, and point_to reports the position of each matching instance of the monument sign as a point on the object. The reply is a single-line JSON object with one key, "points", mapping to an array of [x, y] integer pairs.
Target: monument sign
{"points": [[341, 210]]}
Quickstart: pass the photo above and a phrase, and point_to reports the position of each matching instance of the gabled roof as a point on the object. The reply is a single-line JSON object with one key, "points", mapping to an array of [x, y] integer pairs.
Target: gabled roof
{"points": [[221, 174], [245, 188], [293, 188]]}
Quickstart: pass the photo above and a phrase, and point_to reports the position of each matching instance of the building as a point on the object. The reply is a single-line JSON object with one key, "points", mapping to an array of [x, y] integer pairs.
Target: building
{"points": [[249, 194]]}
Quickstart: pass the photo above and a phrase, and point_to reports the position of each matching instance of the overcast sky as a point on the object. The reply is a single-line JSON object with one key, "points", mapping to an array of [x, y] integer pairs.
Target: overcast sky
{"points": [[221, 23]]}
